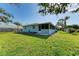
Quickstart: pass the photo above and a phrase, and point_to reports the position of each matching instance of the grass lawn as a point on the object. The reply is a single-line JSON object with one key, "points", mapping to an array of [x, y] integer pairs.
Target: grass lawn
{"points": [[61, 43]]}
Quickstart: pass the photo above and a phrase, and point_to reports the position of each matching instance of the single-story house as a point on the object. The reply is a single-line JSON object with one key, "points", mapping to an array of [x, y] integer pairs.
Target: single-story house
{"points": [[46, 28], [9, 27]]}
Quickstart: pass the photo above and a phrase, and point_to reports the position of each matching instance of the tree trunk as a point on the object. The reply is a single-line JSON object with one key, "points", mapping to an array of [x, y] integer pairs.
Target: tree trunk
{"points": [[65, 25]]}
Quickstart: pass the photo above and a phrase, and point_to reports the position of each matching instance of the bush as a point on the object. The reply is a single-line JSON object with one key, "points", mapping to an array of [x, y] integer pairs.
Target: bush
{"points": [[77, 30], [73, 26], [71, 30]]}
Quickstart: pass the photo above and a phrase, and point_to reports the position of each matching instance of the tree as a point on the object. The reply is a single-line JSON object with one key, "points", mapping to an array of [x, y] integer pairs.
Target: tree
{"points": [[59, 24], [3, 19], [18, 24], [62, 23], [75, 26], [77, 10], [65, 19], [5, 16], [55, 8], [16, 4]]}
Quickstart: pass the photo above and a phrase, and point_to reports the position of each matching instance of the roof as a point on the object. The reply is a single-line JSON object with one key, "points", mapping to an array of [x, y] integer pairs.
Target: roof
{"points": [[39, 23], [8, 25]]}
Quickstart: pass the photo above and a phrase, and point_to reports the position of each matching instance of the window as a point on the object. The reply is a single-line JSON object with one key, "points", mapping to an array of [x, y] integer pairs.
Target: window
{"points": [[25, 27], [44, 26], [52, 27], [33, 27]]}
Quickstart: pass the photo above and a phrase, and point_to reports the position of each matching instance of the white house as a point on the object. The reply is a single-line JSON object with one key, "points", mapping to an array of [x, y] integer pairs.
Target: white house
{"points": [[8, 27], [40, 28]]}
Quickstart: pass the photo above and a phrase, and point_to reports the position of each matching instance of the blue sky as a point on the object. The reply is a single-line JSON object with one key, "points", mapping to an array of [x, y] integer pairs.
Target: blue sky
{"points": [[28, 13]]}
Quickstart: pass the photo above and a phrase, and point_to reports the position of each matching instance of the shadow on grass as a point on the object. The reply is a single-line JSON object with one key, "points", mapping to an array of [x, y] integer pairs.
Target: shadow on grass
{"points": [[38, 36], [35, 35]]}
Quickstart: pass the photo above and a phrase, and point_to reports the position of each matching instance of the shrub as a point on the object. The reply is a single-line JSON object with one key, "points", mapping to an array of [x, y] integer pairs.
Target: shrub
{"points": [[71, 30], [77, 30], [73, 26]]}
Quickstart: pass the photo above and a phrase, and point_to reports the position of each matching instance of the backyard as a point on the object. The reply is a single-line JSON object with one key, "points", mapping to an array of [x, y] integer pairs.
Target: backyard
{"points": [[58, 44]]}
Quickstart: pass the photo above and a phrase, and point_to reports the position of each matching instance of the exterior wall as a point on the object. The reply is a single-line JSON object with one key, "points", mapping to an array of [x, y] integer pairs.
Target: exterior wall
{"points": [[43, 32], [46, 31], [31, 29], [51, 31]]}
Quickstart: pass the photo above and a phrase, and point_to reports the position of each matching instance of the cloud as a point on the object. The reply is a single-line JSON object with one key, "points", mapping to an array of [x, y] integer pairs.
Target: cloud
{"points": [[74, 7]]}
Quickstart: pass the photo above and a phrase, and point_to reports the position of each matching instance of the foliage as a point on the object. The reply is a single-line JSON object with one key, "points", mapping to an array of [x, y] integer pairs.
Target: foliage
{"points": [[56, 8], [74, 11], [5, 17], [17, 23], [62, 23], [59, 24], [53, 8], [73, 26], [65, 25], [77, 30], [67, 17], [4, 12], [16, 4], [71, 30]]}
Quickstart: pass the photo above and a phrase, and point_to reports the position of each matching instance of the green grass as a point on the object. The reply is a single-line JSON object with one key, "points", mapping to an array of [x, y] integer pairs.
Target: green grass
{"points": [[59, 44]]}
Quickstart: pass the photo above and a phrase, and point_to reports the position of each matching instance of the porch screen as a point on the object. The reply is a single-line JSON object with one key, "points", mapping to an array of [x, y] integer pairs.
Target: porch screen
{"points": [[44, 26]]}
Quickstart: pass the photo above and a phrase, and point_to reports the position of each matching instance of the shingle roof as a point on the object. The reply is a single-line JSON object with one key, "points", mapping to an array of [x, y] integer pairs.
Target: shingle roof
{"points": [[39, 23]]}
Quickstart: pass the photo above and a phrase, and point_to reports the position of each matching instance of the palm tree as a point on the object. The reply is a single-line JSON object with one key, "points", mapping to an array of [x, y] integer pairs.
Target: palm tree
{"points": [[63, 23], [59, 24], [65, 19], [5, 17], [18, 24]]}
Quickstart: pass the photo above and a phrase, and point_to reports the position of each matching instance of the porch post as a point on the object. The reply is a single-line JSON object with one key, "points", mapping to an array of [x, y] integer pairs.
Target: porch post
{"points": [[40, 27], [49, 26]]}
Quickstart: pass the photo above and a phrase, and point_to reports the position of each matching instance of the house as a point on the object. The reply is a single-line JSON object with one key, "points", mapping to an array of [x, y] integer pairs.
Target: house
{"points": [[8, 27], [46, 28]]}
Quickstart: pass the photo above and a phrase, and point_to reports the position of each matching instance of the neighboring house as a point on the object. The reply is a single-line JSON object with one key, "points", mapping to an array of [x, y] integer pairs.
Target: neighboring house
{"points": [[40, 28], [8, 27]]}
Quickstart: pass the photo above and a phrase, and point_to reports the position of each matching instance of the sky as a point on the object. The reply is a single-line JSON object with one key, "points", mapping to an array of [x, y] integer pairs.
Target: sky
{"points": [[28, 13]]}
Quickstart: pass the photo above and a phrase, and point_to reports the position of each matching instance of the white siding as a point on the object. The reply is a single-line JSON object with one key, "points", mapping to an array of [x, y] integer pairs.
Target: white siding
{"points": [[36, 29], [43, 32], [46, 31], [51, 31], [31, 29]]}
